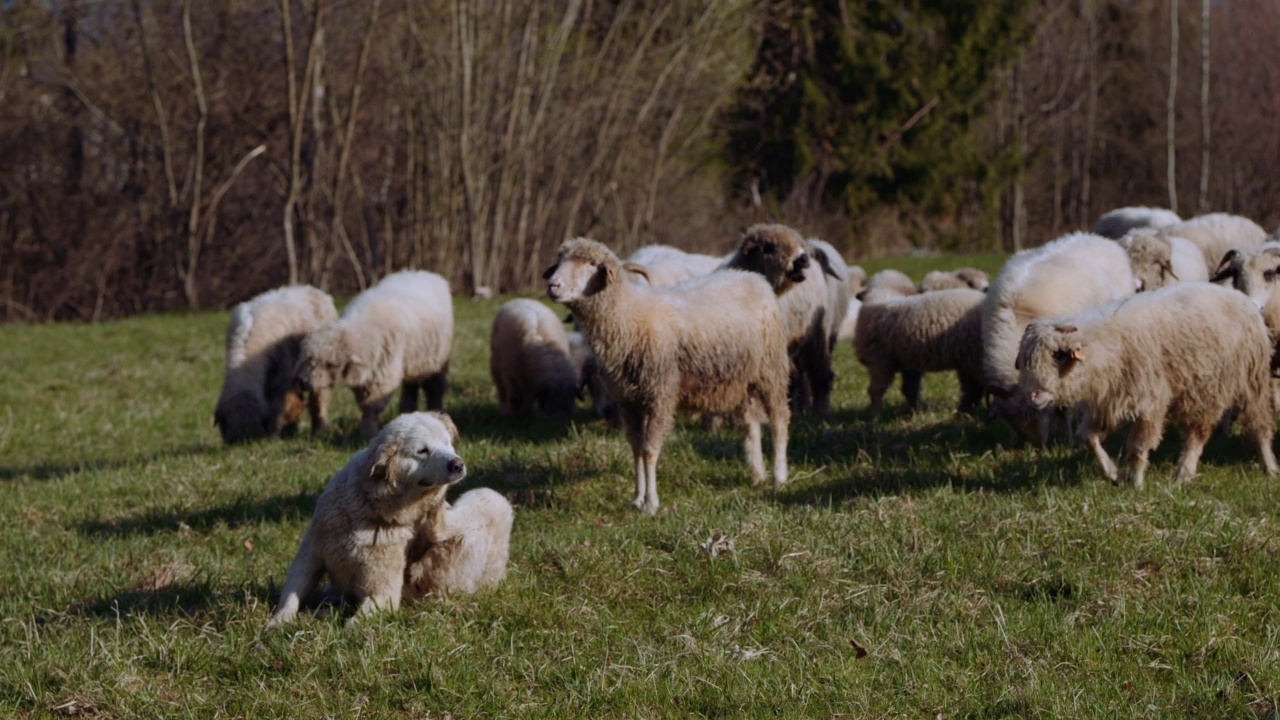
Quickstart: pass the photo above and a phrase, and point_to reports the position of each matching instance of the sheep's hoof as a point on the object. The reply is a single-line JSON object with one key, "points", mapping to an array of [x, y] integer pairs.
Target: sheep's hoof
{"points": [[638, 502], [649, 508]]}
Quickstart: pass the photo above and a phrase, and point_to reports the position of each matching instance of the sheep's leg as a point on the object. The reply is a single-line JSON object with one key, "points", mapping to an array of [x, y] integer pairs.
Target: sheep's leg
{"points": [[642, 481], [1093, 440], [799, 388], [779, 416], [1143, 438], [292, 413], [1193, 446], [970, 394], [880, 380], [435, 387], [318, 408], [651, 490], [1259, 419], [303, 574], [752, 448], [821, 378], [911, 388], [371, 407], [409, 396]]}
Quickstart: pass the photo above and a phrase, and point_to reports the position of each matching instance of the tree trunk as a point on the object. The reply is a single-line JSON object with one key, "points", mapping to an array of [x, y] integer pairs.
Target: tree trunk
{"points": [[1171, 152], [1202, 202]]}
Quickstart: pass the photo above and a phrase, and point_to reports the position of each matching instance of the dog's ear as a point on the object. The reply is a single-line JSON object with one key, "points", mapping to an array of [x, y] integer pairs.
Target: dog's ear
{"points": [[381, 468], [447, 421]]}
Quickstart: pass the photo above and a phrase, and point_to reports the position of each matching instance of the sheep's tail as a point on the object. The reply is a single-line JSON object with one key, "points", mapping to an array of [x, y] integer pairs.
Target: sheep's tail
{"points": [[1000, 339]]}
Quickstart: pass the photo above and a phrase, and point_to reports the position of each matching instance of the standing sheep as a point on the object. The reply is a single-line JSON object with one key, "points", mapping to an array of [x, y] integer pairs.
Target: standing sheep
{"points": [[1159, 259], [1187, 354], [1117, 223], [264, 339], [1216, 234], [530, 360], [661, 265], [779, 254], [713, 344], [1068, 275], [857, 282], [965, 277], [397, 333], [1254, 273], [914, 335], [836, 274]]}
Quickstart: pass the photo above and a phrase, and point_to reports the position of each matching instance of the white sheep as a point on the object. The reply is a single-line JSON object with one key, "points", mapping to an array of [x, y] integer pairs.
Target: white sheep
{"points": [[1185, 354], [1159, 259], [713, 344], [918, 334], [894, 280], [530, 359], [1117, 223], [1255, 273], [397, 333], [965, 277], [835, 272], [1070, 274], [781, 255], [264, 339], [662, 265], [1216, 234], [857, 283]]}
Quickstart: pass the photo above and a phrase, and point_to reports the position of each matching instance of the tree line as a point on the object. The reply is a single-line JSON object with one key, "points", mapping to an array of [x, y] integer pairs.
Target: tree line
{"points": [[165, 154]]}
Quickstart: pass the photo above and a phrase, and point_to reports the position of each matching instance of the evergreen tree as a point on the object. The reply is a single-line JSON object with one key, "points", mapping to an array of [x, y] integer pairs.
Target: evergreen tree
{"points": [[878, 102]]}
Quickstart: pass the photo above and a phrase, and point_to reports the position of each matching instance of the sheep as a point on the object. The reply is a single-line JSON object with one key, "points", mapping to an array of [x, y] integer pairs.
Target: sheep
{"points": [[857, 280], [1117, 223], [1067, 275], [894, 280], [848, 328], [586, 369], [1188, 353], [264, 339], [779, 254], [398, 332], [969, 277], [1159, 259], [931, 332], [715, 344], [460, 548], [530, 359], [836, 274], [1216, 234], [661, 265], [1254, 273]]}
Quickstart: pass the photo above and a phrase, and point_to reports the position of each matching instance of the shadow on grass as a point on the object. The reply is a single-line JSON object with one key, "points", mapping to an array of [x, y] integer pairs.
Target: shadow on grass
{"points": [[240, 511], [190, 598], [57, 470]]}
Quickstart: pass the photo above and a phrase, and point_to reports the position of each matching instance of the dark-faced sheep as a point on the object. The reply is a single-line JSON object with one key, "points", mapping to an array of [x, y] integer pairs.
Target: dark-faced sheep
{"points": [[1185, 354], [264, 340], [713, 344], [1117, 223], [398, 333], [530, 360]]}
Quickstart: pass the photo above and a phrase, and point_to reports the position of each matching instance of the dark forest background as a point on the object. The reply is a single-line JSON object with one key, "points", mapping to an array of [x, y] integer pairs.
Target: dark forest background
{"points": [[159, 155]]}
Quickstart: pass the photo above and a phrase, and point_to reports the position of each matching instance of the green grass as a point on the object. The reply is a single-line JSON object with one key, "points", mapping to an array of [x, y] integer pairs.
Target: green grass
{"points": [[924, 568]]}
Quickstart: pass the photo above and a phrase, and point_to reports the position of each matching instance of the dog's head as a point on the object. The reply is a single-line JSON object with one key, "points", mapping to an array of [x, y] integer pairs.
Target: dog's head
{"points": [[413, 454]]}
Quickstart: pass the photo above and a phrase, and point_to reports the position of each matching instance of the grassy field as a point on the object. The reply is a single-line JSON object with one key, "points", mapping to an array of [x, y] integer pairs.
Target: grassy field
{"points": [[925, 568]]}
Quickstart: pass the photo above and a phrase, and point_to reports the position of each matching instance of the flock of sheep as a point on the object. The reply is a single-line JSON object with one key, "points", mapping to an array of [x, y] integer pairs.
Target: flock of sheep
{"points": [[1144, 321]]}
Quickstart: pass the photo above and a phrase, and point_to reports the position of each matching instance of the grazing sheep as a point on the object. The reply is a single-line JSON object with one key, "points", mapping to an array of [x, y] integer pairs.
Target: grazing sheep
{"points": [[530, 360], [369, 515], [1117, 223], [965, 277], [1216, 234], [1186, 354], [662, 265], [1067, 275], [398, 332], [779, 254], [857, 280], [1159, 259], [264, 339], [1254, 273], [931, 332], [714, 344], [460, 548], [894, 280]]}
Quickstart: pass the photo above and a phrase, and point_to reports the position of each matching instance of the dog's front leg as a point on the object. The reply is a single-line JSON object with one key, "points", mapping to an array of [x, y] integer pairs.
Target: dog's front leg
{"points": [[304, 572], [384, 596]]}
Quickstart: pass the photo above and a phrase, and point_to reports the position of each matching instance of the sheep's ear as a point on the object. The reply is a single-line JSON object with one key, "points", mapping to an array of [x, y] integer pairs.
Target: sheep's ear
{"points": [[449, 425], [638, 269], [1166, 267], [546, 274], [1077, 353], [821, 256], [1226, 267], [380, 468]]}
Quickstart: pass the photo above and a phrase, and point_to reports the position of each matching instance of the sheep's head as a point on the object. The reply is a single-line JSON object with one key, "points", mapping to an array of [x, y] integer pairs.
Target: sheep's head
{"points": [[972, 277], [243, 416], [1048, 357], [583, 268], [775, 251], [1151, 256], [328, 359], [857, 279], [1010, 404], [1254, 273]]}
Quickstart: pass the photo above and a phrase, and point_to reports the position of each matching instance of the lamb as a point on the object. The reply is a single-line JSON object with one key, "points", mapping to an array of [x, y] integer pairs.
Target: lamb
{"points": [[1067, 275], [460, 548], [779, 254], [1188, 353], [714, 344], [1117, 223], [931, 332], [894, 280], [1216, 234], [969, 277], [1159, 259], [398, 332], [662, 265], [857, 282], [530, 359], [371, 513], [264, 339]]}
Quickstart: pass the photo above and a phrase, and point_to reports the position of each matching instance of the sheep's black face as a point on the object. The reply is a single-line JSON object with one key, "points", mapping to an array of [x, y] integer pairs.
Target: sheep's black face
{"points": [[798, 266]]}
